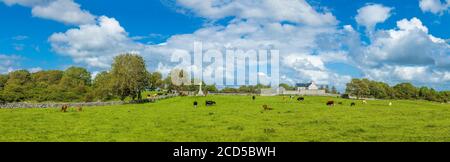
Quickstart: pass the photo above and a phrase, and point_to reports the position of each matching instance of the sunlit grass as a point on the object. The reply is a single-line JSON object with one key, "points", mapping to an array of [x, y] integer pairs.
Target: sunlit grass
{"points": [[234, 118]]}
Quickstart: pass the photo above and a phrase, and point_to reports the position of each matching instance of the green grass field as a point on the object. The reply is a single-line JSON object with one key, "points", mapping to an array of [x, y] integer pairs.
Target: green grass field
{"points": [[234, 119]]}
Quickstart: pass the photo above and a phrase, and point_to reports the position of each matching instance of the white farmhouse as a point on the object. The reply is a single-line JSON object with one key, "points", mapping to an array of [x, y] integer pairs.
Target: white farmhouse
{"points": [[307, 86], [310, 89], [305, 89]]}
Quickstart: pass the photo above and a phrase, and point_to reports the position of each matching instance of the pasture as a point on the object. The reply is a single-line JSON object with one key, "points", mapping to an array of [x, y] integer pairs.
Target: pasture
{"points": [[233, 119]]}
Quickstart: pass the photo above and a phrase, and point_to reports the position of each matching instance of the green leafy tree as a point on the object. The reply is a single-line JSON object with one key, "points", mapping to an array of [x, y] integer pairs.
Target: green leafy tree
{"points": [[129, 76], [378, 90], [211, 88], [287, 86], [155, 81], [406, 91], [18, 86], [46, 85], [358, 88], [3, 80], [74, 77], [102, 86], [75, 84]]}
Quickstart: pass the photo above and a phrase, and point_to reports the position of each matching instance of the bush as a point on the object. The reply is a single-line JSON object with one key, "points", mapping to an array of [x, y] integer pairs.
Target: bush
{"points": [[345, 96]]}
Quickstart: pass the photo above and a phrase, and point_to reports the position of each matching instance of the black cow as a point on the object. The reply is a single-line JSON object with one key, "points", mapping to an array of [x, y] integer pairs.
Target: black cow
{"points": [[330, 103], [195, 104], [210, 103], [254, 98], [353, 104], [301, 99]]}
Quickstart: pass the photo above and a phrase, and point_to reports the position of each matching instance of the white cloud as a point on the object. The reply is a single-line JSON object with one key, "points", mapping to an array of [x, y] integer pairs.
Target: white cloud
{"points": [[35, 69], [308, 41], [434, 6], [94, 44], [313, 68], [298, 11], [372, 14], [415, 74], [406, 53], [410, 44], [66, 11], [8, 62]]}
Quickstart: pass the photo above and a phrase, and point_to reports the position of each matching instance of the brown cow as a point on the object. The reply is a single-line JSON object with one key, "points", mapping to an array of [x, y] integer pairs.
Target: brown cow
{"points": [[267, 107], [79, 109], [64, 108]]}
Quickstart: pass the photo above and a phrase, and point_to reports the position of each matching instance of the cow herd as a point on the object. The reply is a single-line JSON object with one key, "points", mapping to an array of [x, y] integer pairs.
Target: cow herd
{"points": [[65, 108], [329, 103], [207, 103]]}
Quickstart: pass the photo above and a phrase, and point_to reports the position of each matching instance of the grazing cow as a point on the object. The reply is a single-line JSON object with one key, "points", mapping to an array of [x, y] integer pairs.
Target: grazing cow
{"points": [[79, 109], [254, 98], [301, 99], [64, 108], [330, 103], [353, 104], [266, 108], [210, 103], [195, 104]]}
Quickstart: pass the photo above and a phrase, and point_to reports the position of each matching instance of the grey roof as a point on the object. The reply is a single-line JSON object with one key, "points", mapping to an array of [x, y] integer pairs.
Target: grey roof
{"points": [[303, 84]]}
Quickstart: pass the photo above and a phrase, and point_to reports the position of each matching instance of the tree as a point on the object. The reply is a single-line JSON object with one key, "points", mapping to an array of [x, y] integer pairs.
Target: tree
{"points": [[211, 88], [129, 76], [74, 77], [17, 86], [406, 91], [155, 80], [358, 87], [47, 78], [46, 85], [3, 80], [334, 90], [102, 86], [75, 85], [378, 90], [287, 86]]}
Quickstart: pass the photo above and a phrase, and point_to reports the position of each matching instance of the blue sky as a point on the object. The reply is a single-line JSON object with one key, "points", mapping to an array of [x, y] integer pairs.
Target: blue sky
{"points": [[326, 41]]}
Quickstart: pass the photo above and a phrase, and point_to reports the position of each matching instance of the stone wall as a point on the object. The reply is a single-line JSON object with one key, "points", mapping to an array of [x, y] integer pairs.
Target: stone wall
{"points": [[57, 105], [84, 104]]}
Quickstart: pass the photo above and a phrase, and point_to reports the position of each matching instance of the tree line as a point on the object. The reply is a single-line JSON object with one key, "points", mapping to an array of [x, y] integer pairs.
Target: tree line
{"points": [[129, 78], [365, 88]]}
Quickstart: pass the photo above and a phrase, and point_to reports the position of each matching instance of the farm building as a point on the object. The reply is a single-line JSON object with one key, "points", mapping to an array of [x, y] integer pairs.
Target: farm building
{"points": [[307, 86], [272, 91], [310, 89], [304, 89]]}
